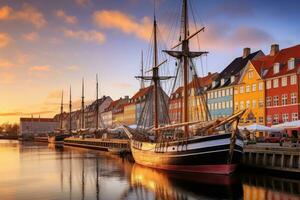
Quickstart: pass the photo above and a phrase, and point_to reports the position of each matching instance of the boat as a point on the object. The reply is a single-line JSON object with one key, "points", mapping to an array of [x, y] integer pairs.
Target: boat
{"points": [[202, 146]]}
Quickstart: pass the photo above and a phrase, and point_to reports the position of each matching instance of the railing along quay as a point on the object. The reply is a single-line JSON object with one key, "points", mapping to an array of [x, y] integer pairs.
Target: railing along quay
{"points": [[275, 158]]}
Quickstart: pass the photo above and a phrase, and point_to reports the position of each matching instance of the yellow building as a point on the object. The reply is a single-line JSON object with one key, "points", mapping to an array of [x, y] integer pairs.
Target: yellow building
{"points": [[129, 114], [118, 118], [249, 94]]}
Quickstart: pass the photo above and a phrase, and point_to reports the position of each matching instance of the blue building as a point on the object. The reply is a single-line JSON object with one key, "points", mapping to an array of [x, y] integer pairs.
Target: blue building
{"points": [[220, 92]]}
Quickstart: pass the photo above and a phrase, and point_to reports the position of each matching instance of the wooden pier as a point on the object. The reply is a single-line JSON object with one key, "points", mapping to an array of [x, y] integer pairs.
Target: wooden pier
{"points": [[273, 157], [41, 139], [112, 145]]}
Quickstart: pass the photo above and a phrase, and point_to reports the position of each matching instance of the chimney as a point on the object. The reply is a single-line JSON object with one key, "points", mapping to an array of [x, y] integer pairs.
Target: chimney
{"points": [[274, 49], [246, 52]]}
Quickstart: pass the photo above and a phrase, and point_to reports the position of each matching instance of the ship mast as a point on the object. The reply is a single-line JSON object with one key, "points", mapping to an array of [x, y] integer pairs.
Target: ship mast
{"points": [[97, 104], [185, 50], [61, 109], [155, 77], [82, 105], [70, 110], [142, 71]]}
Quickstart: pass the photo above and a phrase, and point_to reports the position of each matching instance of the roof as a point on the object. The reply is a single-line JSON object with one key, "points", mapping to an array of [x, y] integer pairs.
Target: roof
{"points": [[30, 119], [234, 69], [141, 92], [266, 63], [115, 105]]}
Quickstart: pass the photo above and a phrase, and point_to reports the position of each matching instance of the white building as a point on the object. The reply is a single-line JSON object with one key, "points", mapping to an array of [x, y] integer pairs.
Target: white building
{"points": [[37, 126]]}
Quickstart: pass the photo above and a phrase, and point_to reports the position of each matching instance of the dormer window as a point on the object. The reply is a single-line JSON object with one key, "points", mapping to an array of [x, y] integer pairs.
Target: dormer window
{"points": [[222, 81], [291, 63], [214, 84], [232, 79], [276, 68]]}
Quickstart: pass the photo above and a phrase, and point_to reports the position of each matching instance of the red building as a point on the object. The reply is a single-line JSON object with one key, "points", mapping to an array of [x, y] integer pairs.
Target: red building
{"points": [[280, 69]]}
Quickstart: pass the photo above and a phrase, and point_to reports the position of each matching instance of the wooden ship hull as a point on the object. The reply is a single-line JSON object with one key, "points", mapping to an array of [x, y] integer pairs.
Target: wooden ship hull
{"points": [[202, 154]]}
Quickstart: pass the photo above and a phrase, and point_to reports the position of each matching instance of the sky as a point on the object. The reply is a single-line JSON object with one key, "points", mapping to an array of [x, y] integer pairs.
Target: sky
{"points": [[46, 46]]}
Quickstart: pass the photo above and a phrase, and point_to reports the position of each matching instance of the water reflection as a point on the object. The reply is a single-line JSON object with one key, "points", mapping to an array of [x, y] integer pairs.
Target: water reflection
{"points": [[38, 171]]}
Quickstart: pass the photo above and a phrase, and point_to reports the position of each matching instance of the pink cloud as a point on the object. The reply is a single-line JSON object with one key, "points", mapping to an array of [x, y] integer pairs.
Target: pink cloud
{"points": [[66, 18]]}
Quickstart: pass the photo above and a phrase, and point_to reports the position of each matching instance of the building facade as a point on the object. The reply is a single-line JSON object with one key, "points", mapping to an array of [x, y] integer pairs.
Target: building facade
{"points": [[282, 84], [30, 127], [220, 96], [129, 113]]}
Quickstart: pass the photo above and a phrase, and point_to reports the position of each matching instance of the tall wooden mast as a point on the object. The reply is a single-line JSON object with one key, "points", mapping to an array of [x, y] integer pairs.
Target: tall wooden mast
{"points": [[70, 110], [97, 103], [155, 75], [185, 50], [61, 109], [142, 71], [82, 105]]}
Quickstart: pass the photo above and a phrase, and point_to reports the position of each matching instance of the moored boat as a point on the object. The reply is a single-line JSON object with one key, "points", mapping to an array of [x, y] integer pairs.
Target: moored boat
{"points": [[204, 145]]}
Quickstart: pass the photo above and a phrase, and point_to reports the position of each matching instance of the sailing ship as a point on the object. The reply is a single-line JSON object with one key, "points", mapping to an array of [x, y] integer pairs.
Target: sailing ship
{"points": [[204, 146]]}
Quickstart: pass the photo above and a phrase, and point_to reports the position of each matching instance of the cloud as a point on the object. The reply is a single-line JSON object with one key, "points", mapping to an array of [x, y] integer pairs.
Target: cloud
{"points": [[5, 64], [27, 13], [7, 78], [31, 37], [87, 36], [40, 68], [5, 39], [113, 19], [83, 2], [66, 18], [222, 36]]}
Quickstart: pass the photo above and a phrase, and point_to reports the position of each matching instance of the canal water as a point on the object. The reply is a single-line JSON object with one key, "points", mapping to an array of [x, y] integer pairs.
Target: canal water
{"points": [[38, 171]]}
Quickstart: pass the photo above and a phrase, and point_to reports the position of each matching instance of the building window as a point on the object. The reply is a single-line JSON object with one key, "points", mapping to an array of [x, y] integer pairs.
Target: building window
{"points": [[269, 119], [247, 104], [216, 94], [254, 87], [236, 106], [260, 86], [285, 117], [227, 104], [275, 101], [216, 106], [236, 91], [227, 92], [241, 89], [291, 63], [219, 93], [261, 103], [230, 104], [284, 99], [253, 103], [208, 95], [269, 84], [275, 83], [250, 74], [269, 101], [242, 105], [276, 68], [248, 88], [223, 93], [294, 116], [220, 105], [293, 98], [275, 119], [230, 91], [293, 80], [283, 81], [223, 105]]}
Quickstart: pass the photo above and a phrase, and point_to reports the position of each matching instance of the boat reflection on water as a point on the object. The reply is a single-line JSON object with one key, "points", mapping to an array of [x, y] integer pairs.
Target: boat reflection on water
{"points": [[166, 185], [268, 187]]}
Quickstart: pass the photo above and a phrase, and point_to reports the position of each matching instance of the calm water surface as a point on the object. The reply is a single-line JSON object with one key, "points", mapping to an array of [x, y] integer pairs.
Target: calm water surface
{"points": [[36, 171]]}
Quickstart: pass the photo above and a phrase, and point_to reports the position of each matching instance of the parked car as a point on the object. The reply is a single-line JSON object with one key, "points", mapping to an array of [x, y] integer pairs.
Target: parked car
{"points": [[276, 137]]}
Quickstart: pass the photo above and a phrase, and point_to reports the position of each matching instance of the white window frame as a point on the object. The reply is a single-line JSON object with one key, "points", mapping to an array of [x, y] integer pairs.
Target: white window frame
{"points": [[293, 98], [283, 81], [248, 88], [275, 101], [293, 79], [291, 63], [260, 86], [276, 68], [284, 98], [275, 83], [253, 87], [269, 84]]}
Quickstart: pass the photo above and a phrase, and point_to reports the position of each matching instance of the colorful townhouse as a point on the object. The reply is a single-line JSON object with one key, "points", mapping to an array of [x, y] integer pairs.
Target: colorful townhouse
{"points": [[281, 74], [249, 93], [220, 95], [129, 113], [196, 102]]}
